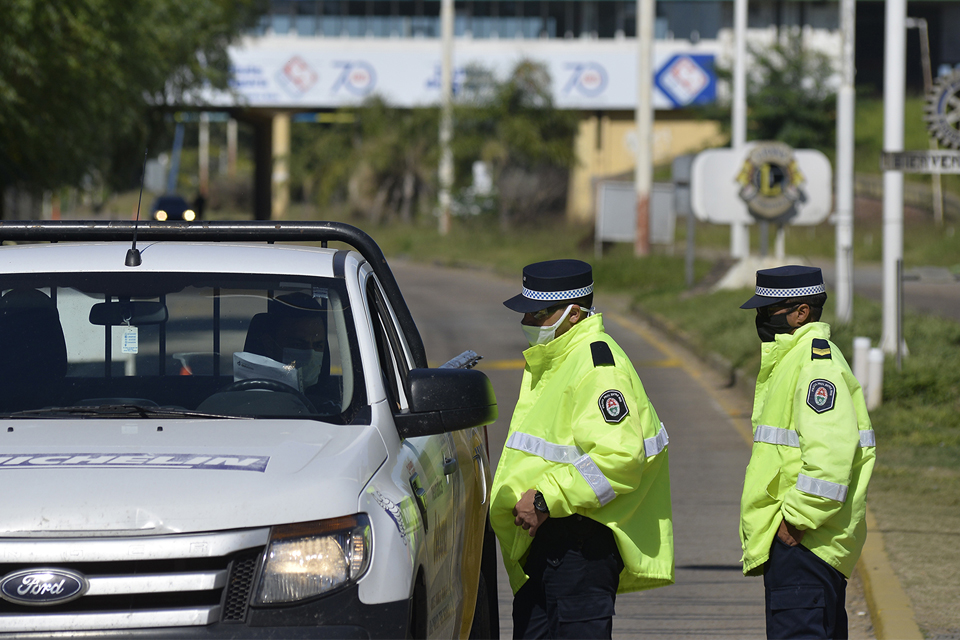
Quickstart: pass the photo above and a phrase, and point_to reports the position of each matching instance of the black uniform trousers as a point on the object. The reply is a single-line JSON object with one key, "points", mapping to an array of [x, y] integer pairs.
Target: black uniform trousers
{"points": [[804, 595], [574, 568]]}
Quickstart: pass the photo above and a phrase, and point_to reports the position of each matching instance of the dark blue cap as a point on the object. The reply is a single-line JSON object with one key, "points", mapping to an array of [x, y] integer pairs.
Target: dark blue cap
{"points": [[783, 283], [548, 283]]}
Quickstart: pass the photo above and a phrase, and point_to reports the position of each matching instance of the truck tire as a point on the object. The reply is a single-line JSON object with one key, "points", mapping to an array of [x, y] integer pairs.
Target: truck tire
{"points": [[480, 629]]}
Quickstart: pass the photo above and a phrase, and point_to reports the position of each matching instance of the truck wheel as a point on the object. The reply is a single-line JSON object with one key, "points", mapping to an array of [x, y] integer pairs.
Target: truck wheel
{"points": [[417, 627], [480, 629]]}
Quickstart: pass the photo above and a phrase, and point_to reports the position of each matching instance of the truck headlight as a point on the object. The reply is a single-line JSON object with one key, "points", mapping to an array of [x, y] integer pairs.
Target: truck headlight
{"points": [[310, 558]]}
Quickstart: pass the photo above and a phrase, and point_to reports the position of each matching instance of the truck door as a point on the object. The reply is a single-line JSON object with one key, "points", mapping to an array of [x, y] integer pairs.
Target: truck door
{"points": [[434, 476]]}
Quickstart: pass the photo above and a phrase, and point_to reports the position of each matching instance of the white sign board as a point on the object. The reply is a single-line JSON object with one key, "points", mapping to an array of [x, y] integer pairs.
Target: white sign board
{"points": [[715, 189], [920, 161], [616, 219], [323, 73]]}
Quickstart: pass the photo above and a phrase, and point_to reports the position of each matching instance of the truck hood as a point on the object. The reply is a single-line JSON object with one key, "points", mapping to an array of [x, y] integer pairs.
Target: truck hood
{"points": [[143, 477]]}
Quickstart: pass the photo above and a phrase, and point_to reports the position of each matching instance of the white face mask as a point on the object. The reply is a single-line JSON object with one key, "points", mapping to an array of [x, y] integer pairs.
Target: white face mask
{"points": [[308, 361], [543, 335]]}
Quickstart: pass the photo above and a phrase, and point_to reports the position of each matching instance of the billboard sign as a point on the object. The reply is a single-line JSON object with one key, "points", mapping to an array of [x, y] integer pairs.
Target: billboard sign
{"points": [[328, 73]]}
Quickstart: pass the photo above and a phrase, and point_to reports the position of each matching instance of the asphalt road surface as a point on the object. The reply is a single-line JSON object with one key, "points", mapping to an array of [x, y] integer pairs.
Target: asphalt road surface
{"points": [[709, 432]]}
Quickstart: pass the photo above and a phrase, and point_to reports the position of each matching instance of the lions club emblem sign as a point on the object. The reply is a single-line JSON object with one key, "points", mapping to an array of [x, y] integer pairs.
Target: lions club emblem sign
{"points": [[770, 182], [613, 406]]}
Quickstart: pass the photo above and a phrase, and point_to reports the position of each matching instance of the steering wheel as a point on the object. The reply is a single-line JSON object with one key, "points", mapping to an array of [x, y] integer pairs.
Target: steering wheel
{"points": [[269, 385]]}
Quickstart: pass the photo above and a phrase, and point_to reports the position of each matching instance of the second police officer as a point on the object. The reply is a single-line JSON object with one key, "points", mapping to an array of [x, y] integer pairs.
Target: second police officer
{"points": [[581, 498], [804, 496]]}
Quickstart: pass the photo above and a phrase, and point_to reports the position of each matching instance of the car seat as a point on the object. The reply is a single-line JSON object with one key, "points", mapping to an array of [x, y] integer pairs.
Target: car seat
{"points": [[33, 352]]}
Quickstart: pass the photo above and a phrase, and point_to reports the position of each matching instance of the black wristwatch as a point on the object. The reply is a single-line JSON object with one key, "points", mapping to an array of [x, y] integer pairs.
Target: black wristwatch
{"points": [[540, 504]]}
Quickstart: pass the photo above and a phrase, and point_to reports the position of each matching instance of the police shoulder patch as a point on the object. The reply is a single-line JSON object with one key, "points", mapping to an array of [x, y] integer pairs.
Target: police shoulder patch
{"points": [[820, 350], [602, 356], [613, 406], [821, 395]]}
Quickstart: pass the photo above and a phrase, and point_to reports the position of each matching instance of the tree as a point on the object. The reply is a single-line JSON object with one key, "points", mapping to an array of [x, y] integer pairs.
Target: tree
{"points": [[515, 128], [83, 83], [791, 96], [387, 159]]}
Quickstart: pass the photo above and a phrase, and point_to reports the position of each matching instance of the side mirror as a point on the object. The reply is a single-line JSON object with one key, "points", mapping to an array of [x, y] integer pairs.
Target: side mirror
{"points": [[445, 400], [137, 313]]}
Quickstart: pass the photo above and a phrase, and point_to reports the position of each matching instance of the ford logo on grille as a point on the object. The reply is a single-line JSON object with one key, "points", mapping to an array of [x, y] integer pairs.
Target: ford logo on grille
{"points": [[40, 587]]}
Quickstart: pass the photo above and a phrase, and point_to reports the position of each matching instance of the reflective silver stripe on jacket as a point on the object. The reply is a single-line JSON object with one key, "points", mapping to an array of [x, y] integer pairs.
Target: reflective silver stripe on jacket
{"points": [[595, 478], [776, 435], [547, 450], [789, 438], [822, 488], [656, 444]]}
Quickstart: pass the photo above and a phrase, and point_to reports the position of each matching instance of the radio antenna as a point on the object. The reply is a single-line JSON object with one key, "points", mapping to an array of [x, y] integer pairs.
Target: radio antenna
{"points": [[133, 254]]}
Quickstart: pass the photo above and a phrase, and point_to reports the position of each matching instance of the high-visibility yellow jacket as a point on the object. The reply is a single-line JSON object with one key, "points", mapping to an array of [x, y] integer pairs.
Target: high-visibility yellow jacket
{"points": [[586, 436], [813, 452]]}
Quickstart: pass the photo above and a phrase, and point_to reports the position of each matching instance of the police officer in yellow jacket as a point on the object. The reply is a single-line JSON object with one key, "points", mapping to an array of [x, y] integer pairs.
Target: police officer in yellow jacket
{"points": [[581, 497], [804, 496]]}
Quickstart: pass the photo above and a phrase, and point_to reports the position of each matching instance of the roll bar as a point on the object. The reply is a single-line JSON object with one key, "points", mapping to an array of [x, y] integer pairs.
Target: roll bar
{"points": [[226, 231]]}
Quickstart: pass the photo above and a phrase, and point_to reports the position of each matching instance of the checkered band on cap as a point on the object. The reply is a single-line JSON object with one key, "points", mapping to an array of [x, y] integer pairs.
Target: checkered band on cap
{"points": [[790, 293], [557, 295]]}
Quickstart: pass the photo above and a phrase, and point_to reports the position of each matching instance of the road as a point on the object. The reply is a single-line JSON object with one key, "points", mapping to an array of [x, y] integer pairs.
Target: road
{"points": [[709, 434], [925, 290]]}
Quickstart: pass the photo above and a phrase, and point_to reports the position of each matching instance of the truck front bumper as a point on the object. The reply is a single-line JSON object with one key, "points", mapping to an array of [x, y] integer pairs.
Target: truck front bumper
{"points": [[337, 615]]}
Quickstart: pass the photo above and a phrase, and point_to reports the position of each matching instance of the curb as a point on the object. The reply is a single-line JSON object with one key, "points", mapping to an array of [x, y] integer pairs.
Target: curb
{"points": [[890, 608]]}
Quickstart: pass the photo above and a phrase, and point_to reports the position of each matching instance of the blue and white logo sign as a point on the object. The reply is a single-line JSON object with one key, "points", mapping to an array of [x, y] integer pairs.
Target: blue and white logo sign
{"points": [[297, 76], [355, 76], [687, 79], [39, 587], [585, 78]]}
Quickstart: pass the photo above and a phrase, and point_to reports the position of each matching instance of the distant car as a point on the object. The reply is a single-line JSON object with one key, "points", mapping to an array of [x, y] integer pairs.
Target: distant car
{"points": [[173, 207]]}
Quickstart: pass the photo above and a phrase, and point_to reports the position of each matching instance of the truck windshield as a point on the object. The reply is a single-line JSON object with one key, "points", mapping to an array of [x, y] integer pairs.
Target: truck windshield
{"points": [[165, 344]]}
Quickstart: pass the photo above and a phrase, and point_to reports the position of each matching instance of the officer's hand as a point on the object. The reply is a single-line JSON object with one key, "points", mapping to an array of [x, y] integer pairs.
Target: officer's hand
{"points": [[526, 516], [789, 534]]}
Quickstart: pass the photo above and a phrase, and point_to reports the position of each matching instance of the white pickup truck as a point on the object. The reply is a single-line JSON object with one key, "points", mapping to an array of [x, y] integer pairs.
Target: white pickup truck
{"points": [[224, 435]]}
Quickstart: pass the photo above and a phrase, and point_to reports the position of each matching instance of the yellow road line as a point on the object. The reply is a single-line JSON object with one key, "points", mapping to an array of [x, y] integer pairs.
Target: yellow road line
{"points": [[737, 420]]}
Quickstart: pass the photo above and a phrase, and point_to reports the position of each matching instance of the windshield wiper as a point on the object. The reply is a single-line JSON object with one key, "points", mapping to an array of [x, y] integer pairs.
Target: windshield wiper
{"points": [[106, 410]]}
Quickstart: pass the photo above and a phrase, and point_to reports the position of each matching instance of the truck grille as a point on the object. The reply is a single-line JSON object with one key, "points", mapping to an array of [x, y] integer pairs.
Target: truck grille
{"points": [[138, 582]]}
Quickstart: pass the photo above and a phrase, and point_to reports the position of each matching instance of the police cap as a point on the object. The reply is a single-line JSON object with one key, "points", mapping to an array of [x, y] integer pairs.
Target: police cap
{"points": [[548, 283], [782, 283]]}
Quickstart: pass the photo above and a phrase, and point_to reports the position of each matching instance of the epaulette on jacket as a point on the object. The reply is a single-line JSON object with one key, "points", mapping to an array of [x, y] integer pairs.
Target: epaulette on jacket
{"points": [[602, 356], [820, 350]]}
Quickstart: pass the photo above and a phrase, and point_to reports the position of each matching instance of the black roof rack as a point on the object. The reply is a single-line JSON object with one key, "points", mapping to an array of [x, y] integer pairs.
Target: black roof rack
{"points": [[224, 231]]}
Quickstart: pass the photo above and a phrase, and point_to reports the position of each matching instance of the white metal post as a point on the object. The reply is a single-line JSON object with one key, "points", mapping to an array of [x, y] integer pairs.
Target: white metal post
{"points": [[739, 232], [232, 148], [446, 113], [894, 87], [643, 177], [203, 152], [846, 103]]}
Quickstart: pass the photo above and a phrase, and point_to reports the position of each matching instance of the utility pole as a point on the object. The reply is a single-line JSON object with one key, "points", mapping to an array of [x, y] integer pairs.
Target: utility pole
{"points": [[846, 104], [643, 177], [446, 113], [894, 87], [739, 231]]}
